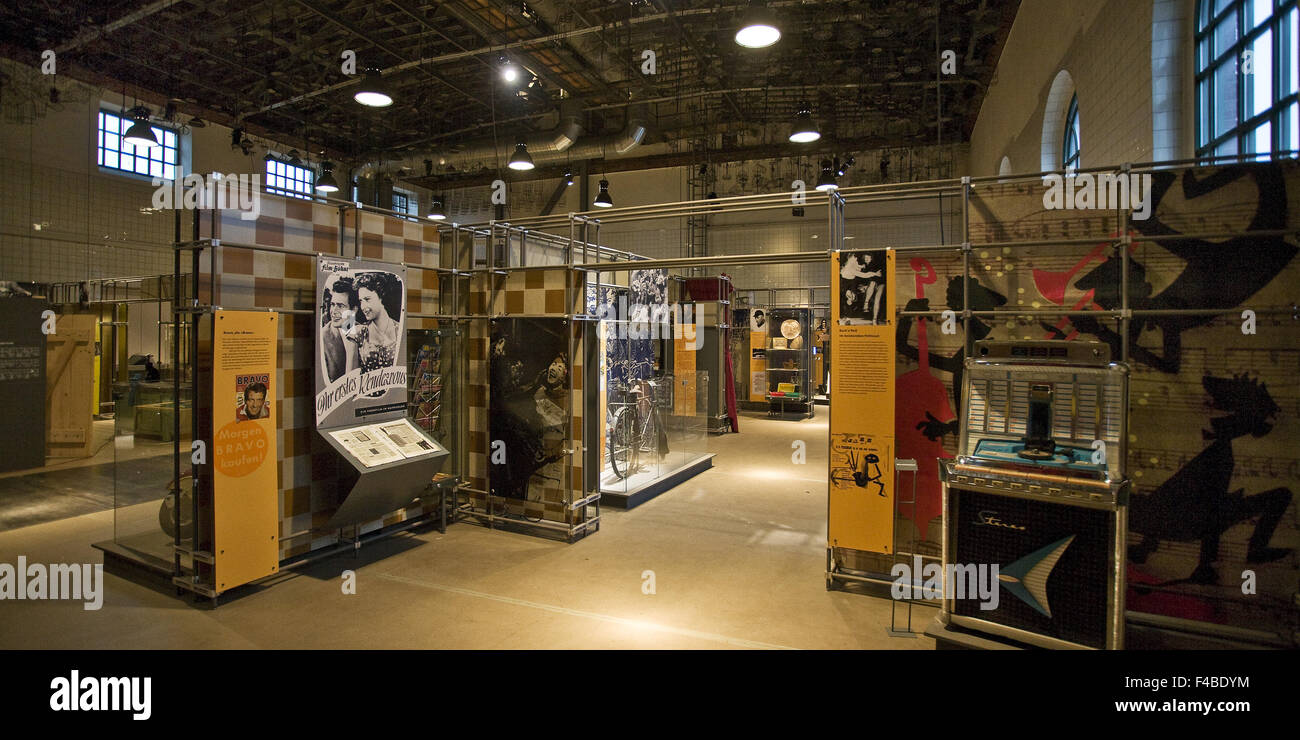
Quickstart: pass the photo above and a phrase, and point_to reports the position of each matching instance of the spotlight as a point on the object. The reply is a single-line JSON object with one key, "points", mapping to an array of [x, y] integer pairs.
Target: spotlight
{"points": [[520, 159], [236, 136], [805, 128], [827, 179], [509, 72], [246, 146], [373, 92], [602, 198], [568, 177], [294, 158], [436, 210], [757, 28], [141, 133], [197, 123], [326, 182]]}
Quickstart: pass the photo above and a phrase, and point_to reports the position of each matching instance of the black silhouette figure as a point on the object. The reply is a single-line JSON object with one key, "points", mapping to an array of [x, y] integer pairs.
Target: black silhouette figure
{"points": [[1195, 503], [1218, 275], [867, 472], [981, 299]]}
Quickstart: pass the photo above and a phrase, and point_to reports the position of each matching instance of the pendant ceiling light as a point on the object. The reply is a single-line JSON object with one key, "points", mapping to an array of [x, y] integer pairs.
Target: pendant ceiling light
{"points": [[520, 159], [436, 211], [509, 72], [757, 28], [141, 133], [373, 92], [805, 128], [326, 182], [827, 179], [602, 198]]}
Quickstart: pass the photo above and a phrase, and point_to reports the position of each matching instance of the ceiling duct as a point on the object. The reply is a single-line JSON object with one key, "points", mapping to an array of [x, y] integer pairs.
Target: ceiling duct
{"points": [[557, 146]]}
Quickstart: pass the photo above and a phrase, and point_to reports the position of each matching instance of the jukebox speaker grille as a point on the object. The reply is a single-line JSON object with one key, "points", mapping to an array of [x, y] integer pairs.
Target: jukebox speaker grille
{"points": [[1022, 537]]}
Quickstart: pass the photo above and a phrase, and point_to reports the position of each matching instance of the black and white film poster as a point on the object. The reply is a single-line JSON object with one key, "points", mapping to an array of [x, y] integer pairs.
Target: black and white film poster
{"points": [[360, 342], [528, 403], [862, 288]]}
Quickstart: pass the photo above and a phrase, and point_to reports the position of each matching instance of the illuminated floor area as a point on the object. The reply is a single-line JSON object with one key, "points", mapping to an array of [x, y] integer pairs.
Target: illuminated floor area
{"points": [[737, 555]]}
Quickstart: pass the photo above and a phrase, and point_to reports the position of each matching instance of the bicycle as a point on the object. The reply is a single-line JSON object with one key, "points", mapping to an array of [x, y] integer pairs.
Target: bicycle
{"points": [[638, 428]]}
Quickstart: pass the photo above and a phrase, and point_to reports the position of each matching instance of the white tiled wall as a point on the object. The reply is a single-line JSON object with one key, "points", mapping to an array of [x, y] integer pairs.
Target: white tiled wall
{"points": [[1107, 48]]}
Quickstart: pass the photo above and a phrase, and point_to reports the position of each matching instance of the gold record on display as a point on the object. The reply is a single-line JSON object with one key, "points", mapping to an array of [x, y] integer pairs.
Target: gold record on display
{"points": [[790, 328]]}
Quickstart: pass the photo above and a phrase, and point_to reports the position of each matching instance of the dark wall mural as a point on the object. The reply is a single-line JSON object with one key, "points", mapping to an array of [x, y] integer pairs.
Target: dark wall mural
{"points": [[1214, 429], [528, 406]]}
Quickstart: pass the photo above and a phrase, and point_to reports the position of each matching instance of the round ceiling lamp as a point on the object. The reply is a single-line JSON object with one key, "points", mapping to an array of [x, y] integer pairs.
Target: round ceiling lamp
{"points": [[373, 92], [326, 182], [602, 198], [758, 28], [520, 160], [826, 181], [805, 128], [141, 133]]}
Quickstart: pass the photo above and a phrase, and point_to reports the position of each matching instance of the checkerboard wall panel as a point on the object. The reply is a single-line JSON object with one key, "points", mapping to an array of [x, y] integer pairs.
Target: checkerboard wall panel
{"points": [[259, 280]]}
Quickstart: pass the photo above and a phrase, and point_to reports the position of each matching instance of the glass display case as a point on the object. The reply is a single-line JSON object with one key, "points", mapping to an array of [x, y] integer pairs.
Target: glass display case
{"points": [[790, 362], [654, 399]]}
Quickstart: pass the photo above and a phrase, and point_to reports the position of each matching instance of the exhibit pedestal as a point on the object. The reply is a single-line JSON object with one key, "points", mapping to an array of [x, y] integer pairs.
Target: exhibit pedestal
{"points": [[631, 493]]}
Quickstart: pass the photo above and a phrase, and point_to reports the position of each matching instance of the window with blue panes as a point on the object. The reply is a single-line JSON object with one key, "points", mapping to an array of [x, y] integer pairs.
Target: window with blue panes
{"points": [[152, 161], [1247, 101], [404, 202], [283, 178], [1070, 147]]}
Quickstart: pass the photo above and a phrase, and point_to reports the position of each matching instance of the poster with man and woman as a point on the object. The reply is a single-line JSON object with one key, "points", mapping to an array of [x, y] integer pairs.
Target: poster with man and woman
{"points": [[360, 342]]}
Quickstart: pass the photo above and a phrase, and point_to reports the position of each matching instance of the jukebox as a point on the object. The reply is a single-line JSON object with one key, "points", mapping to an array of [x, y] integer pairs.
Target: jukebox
{"points": [[1039, 490]]}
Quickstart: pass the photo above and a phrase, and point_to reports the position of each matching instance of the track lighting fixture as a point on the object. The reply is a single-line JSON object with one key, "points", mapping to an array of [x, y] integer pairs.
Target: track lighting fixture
{"points": [[826, 181], [373, 92], [805, 128], [520, 160], [602, 198], [758, 27], [326, 182], [140, 133]]}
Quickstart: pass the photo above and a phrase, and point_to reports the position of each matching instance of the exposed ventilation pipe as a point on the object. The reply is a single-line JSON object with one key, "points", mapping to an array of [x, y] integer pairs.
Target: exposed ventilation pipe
{"points": [[554, 147]]}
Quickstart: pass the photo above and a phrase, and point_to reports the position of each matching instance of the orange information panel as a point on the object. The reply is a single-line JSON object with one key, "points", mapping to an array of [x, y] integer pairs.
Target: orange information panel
{"points": [[861, 477], [758, 366], [684, 394], [244, 453]]}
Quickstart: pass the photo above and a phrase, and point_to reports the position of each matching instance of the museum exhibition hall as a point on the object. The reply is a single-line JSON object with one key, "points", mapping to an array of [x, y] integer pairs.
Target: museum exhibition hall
{"points": [[898, 325]]}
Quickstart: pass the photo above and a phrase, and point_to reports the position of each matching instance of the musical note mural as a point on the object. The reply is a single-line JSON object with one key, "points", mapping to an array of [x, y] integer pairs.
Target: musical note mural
{"points": [[1215, 413]]}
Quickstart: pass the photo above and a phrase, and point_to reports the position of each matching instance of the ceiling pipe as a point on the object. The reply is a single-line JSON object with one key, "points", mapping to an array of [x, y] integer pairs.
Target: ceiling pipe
{"points": [[558, 146]]}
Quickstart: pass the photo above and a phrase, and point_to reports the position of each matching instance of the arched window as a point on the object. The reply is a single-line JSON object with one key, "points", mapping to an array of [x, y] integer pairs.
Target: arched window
{"points": [[1246, 95], [1070, 147]]}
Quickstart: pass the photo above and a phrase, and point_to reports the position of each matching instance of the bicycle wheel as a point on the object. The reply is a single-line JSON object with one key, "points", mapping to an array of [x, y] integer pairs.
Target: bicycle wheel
{"points": [[622, 443]]}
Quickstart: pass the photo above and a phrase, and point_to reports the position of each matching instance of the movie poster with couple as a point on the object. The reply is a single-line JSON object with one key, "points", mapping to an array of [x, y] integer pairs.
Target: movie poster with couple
{"points": [[360, 342]]}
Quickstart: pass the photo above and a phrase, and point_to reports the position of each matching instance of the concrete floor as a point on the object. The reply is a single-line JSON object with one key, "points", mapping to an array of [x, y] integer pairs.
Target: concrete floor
{"points": [[738, 555]]}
